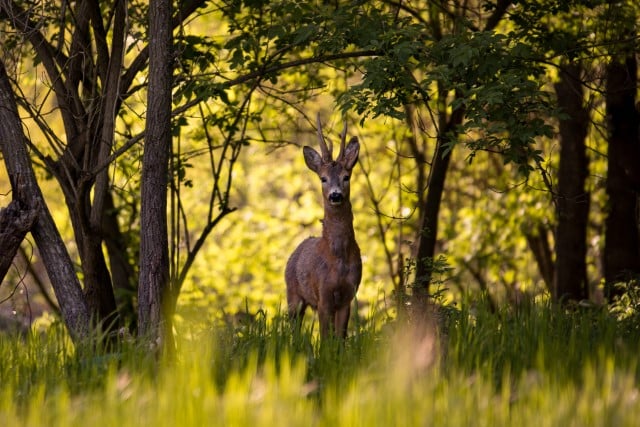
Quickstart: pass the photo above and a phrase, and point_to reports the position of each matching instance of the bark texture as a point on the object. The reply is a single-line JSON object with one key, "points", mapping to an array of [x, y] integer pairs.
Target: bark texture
{"points": [[15, 222], [27, 191], [154, 320]]}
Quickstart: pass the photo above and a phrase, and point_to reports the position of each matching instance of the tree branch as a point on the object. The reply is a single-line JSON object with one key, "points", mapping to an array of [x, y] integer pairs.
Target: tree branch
{"points": [[111, 93], [187, 7], [48, 55], [498, 13]]}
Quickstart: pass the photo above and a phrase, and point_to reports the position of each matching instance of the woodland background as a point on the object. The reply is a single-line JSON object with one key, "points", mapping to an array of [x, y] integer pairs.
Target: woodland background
{"points": [[152, 171]]}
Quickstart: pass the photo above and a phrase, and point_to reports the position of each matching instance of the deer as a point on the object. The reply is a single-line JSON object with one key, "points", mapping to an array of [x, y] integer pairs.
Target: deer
{"points": [[325, 272]]}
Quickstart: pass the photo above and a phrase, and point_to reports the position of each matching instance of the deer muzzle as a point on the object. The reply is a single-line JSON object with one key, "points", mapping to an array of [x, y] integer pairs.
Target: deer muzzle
{"points": [[336, 198]]}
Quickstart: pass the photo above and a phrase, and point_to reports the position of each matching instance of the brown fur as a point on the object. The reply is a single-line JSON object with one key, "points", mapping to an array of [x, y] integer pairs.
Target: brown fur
{"points": [[324, 272]]}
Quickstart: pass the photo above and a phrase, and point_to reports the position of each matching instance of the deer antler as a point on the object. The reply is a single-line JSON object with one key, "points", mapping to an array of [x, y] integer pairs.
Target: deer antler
{"points": [[343, 139], [325, 150]]}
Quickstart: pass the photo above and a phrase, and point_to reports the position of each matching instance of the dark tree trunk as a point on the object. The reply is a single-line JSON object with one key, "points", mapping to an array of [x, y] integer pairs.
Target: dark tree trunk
{"points": [[90, 86], [428, 230], [429, 222], [98, 280], [538, 242], [154, 321], [96, 276], [419, 157], [26, 190], [123, 274], [98, 288], [572, 200], [88, 131], [15, 222], [622, 242]]}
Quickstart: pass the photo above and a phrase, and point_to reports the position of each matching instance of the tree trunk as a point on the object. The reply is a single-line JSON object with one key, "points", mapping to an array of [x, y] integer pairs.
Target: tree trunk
{"points": [[572, 200], [428, 230], [90, 86], [153, 289], [15, 222], [75, 85], [97, 284], [622, 242], [27, 191], [419, 157], [98, 280], [538, 242], [429, 222], [123, 274]]}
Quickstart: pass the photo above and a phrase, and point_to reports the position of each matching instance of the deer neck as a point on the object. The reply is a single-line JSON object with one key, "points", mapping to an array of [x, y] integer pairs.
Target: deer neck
{"points": [[337, 229]]}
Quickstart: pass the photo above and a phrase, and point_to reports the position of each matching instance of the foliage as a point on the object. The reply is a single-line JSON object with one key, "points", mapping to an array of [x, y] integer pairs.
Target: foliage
{"points": [[626, 305], [531, 366], [492, 75]]}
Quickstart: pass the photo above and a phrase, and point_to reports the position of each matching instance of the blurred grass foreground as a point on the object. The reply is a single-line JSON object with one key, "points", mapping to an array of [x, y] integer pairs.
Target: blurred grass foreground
{"points": [[535, 365]]}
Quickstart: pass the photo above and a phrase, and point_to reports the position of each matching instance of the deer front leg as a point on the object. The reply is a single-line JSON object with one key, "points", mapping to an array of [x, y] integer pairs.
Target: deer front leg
{"points": [[325, 317], [326, 312], [342, 321]]}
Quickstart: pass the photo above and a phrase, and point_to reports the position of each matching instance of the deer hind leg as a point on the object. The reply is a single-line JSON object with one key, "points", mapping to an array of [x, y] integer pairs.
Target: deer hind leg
{"points": [[296, 307], [341, 320]]}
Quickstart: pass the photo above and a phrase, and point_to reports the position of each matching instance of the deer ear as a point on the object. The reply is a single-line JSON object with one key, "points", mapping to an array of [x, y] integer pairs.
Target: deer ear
{"points": [[351, 153], [312, 159]]}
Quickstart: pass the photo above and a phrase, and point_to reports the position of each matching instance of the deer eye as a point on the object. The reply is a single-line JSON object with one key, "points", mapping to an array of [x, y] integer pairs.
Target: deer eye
{"points": [[323, 179], [346, 178]]}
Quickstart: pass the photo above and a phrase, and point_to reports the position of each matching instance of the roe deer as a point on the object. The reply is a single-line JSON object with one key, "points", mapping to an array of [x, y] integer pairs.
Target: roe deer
{"points": [[324, 272]]}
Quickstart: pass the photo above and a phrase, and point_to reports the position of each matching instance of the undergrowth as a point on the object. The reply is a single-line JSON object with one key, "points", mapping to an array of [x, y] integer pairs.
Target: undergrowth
{"points": [[535, 365]]}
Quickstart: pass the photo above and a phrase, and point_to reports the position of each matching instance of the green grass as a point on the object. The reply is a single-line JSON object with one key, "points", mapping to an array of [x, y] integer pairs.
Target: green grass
{"points": [[537, 366]]}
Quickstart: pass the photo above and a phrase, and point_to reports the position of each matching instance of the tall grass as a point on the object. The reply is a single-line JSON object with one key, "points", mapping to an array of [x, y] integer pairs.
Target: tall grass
{"points": [[538, 366]]}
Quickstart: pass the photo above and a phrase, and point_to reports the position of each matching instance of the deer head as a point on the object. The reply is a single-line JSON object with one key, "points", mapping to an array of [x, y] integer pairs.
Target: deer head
{"points": [[334, 174]]}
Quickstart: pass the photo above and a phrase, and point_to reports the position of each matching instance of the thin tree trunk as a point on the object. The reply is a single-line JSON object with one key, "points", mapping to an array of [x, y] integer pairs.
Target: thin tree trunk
{"points": [[123, 275], [446, 131], [429, 222], [419, 157], [154, 286], [572, 200], [538, 242], [26, 189]]}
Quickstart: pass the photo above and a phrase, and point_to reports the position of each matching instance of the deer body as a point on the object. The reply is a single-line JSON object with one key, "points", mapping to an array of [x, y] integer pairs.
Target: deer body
{"points": [[324, 272]]}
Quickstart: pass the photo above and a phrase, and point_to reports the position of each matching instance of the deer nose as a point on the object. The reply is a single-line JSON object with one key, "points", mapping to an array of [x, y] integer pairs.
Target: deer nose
{"points": [[335, 197]]}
